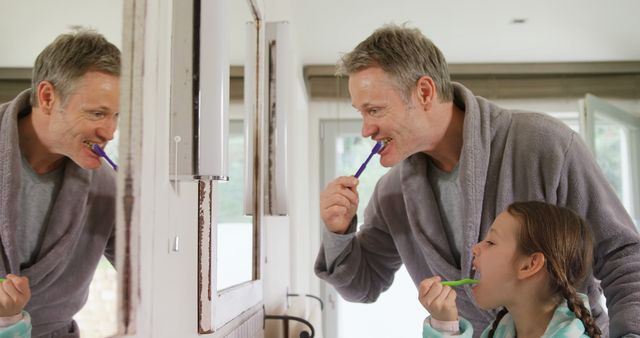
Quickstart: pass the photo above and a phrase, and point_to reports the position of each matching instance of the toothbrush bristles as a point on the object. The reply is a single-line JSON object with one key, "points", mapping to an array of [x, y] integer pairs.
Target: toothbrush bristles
{"points": [[96, 149]]}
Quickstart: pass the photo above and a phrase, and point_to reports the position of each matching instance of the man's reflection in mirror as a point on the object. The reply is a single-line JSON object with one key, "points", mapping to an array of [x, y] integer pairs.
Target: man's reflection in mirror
{"points": [[57, 195]]}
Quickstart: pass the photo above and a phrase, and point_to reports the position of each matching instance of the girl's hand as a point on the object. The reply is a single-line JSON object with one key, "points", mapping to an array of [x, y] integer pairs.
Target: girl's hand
{"points": [[14, 295], [438, 299]]}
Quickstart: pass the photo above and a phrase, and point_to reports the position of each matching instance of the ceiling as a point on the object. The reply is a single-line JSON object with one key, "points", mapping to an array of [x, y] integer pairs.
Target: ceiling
{"points": [[473, 31], [467, 31]]}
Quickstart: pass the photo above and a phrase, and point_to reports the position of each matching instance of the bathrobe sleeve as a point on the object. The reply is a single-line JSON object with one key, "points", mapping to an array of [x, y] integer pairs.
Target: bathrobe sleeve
{"points": [[366, 267]]}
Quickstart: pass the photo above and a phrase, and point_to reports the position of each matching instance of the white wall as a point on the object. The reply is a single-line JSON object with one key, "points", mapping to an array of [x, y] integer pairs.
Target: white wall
{"points": [[28, 26], [292, 272]]}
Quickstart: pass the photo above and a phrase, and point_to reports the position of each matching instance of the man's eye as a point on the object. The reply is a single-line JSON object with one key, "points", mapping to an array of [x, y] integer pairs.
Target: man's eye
{"points": [[96, 115], [374, 111], [490, 242]]}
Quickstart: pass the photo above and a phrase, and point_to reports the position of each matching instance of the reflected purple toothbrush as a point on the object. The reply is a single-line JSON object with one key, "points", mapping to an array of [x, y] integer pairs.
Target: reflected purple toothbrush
{"points": [[375, 150], [96, 149]]}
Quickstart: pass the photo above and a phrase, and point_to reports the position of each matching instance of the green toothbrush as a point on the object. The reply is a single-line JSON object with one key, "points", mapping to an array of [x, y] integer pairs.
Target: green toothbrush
{"points": [[460, 282], [2, 280]]}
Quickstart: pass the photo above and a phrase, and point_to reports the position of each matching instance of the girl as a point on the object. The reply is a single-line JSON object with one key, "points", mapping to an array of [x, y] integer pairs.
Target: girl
{"points": [[531, 261]]}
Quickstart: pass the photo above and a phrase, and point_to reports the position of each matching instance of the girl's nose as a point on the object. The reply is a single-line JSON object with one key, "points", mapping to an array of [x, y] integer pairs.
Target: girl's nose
{"points": [[475, 250]]}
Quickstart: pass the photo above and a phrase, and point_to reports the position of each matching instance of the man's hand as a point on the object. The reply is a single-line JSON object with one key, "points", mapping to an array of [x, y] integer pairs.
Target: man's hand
{"points": [[438, 299], [339, 203], [14, 295]]}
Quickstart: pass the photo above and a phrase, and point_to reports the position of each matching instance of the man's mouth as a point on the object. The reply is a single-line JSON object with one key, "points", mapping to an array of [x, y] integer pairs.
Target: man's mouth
{"points": [[385, 141], [90, 145]]}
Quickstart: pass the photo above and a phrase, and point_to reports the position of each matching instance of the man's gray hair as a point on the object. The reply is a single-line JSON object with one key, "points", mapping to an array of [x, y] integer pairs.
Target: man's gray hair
{"points": [[69, 57], [403, 53]]}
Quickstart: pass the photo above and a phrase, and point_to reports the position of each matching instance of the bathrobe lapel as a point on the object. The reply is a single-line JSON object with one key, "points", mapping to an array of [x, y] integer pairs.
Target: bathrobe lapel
{"points": [[9, 183], [474, 164], [424, 216]]}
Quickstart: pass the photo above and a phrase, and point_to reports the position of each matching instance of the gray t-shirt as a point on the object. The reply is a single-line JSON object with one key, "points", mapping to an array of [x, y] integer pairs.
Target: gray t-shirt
{"points": [[37, 193], [446, 187]]}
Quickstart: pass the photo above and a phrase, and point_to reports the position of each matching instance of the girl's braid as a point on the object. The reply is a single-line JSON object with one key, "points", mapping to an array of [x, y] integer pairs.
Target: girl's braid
{"points": [[499, 316]]}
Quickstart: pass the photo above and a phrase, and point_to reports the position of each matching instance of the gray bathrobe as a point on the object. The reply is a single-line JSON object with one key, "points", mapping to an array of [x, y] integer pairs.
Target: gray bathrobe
{"points": [[81, 229], [506, 157]]}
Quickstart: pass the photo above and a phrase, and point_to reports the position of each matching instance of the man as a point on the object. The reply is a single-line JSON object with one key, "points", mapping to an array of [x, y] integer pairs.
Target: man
{"points": [[57, 200], [458, 161]]}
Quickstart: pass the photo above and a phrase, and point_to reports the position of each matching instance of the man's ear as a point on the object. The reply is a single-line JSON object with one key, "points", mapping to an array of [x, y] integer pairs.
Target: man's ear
{"points": [[426, 91], [46, 96], [530, 265]]}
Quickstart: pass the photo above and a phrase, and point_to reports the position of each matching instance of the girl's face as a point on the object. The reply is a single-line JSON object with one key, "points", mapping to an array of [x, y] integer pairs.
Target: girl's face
{"points": [[495, 261]]}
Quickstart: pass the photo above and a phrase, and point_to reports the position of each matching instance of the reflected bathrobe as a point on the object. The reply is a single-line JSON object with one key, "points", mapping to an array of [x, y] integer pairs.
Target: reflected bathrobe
{"points": [[81, 229], [506, 156]]}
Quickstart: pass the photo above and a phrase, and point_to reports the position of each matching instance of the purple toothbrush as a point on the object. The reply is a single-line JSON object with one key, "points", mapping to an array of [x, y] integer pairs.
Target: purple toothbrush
{"points": [[375, 150], [96, 149]]}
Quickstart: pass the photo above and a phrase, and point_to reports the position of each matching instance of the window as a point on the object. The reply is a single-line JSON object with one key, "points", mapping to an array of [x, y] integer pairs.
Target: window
{"points": [[613, 135], [98, 316]]}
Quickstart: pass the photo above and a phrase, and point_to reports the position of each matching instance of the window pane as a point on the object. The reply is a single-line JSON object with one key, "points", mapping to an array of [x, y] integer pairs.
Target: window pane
{"points": [[112, 147], [235, 231], [609, 149], [571, 119], [612, 134], [98, 316]]}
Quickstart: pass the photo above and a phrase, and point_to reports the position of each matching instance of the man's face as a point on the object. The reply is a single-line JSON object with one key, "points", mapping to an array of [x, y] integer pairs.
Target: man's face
{"points": [[89, 115], [386, 117]]}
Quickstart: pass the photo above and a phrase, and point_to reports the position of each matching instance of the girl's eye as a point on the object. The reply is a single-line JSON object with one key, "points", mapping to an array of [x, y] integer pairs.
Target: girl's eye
{"points": [[489, 242]]}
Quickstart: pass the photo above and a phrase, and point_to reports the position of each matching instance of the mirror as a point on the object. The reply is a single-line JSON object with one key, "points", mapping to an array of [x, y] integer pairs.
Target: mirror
{"points": [[235, 231], [46, 21]]}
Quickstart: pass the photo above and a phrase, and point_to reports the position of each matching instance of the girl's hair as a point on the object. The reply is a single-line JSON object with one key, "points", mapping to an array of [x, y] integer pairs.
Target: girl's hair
{"points": [[566, 242]]}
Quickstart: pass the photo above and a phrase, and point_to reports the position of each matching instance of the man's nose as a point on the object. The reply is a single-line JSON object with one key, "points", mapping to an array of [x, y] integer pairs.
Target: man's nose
{"points": [[107, 129], [368, 129]]}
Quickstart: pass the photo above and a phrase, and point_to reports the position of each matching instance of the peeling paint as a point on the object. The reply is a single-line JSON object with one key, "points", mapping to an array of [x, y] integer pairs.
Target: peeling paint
{"points": [[205, 207]]}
